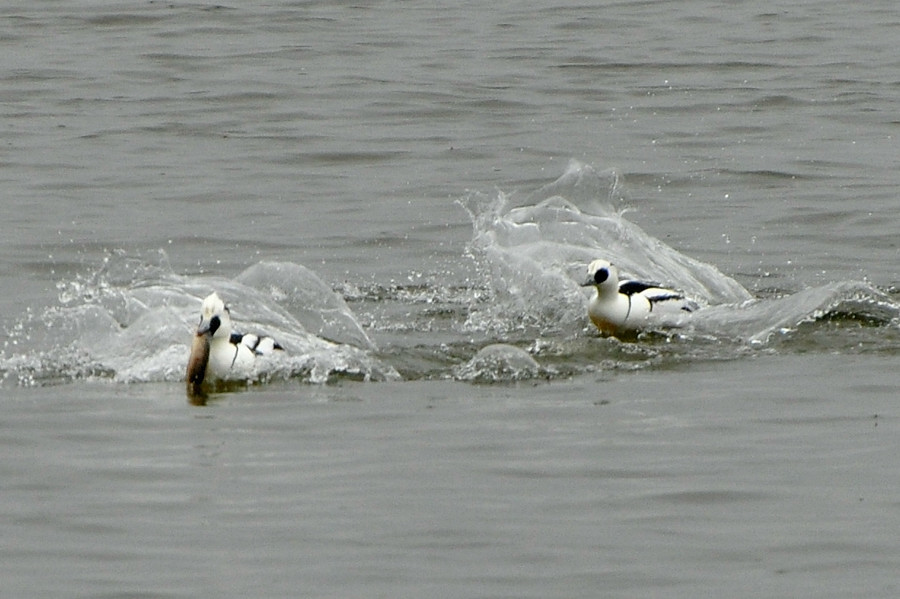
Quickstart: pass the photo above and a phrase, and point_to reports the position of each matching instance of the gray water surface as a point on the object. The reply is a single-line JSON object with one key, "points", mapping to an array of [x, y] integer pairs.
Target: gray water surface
{"points": [[672, 483], [150, 150]]}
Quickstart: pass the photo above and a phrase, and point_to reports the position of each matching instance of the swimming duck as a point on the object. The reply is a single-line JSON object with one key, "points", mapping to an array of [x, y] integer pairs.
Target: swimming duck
{"points": [[217, 352], [626, 306]]}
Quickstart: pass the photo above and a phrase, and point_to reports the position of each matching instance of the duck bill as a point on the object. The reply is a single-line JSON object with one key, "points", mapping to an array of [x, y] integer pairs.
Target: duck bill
{"points": [[204, 327]]}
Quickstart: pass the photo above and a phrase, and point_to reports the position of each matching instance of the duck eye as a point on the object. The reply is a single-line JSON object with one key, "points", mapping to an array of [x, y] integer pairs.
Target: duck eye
{"points": [[601, 275], [214, 323]]}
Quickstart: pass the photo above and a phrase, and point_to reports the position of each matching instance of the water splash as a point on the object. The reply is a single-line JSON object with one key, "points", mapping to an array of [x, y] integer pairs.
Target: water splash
{"points": [[131, 321], [764, 321], [500, 362], [532, 257], [304, 295]]}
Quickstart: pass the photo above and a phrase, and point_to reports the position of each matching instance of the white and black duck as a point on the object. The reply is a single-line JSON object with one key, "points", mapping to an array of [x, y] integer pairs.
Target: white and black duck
{"points": [[218, 353], [629, 306]]}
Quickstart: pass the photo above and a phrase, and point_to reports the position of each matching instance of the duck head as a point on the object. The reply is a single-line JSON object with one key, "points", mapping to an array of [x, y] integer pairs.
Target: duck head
{"points": [[602, 275], [215, 319]]}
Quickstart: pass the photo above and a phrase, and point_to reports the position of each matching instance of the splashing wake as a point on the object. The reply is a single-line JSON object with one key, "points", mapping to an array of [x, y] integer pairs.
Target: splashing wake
{"points": [[522, 316], [533, 256], [130, 322]]}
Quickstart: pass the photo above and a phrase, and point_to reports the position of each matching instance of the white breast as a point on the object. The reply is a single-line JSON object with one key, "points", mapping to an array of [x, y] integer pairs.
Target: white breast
{"points": [[229, 361], [619, 313]]}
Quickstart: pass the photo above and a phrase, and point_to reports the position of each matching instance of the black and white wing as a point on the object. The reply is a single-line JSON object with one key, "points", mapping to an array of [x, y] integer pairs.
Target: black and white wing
{"points": [[260, 345], [656, 295]]}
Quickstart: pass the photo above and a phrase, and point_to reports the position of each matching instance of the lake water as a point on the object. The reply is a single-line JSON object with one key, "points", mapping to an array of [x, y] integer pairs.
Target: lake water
{"points": [[406, 197]]}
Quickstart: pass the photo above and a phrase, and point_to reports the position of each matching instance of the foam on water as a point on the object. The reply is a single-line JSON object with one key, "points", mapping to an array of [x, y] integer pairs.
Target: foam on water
{"points": [[521, 315], [131, 321], [532, 257]]}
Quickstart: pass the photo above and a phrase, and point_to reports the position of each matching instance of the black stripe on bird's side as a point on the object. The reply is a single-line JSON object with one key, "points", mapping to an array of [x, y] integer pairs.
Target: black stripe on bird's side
{"points": [[664, 298], [632, 287]]}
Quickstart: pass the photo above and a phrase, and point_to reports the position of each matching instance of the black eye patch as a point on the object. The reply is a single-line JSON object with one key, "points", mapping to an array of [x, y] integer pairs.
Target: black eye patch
{"points": [[601, 275], [214, 323]]}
